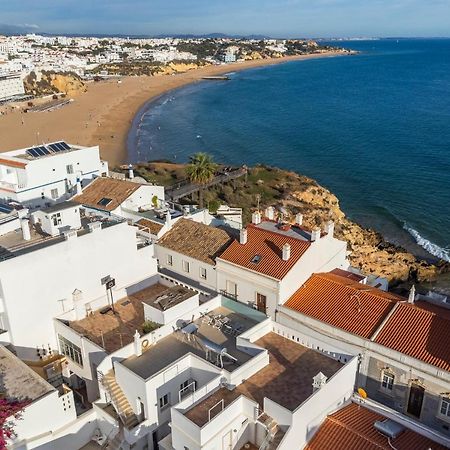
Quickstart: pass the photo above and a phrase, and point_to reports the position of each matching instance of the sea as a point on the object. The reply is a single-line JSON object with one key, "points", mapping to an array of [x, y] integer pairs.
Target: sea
{"points": [[374, 128]]}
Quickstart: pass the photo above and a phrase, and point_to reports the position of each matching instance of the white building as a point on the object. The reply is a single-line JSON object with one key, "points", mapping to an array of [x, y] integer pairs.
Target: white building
{"points": [[42, 276], [268, 263], [11, 85], [40, 176]]}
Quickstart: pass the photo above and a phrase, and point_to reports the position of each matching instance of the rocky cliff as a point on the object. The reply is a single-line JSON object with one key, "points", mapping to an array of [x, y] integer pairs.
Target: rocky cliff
{"points": [[48, 83]]}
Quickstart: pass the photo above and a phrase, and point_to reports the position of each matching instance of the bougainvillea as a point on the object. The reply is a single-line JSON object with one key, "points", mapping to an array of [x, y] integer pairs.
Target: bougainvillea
{"points": [[9, 410]]}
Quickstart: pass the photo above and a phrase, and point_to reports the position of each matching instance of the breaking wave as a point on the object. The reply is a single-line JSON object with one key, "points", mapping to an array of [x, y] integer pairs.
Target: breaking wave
{"points": [[429, 246]]}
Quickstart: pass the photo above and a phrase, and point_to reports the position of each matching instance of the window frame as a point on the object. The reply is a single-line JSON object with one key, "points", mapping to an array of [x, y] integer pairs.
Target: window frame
{"points": [[164, 401], [169, 259], [387, 386], [203, 269], [54, 194], [186, 264], [70, 350], [446, 415]]}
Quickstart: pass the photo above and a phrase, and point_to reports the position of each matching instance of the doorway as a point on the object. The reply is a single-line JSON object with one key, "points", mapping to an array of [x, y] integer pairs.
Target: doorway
{"points": [[261, 302], [415, 401]]}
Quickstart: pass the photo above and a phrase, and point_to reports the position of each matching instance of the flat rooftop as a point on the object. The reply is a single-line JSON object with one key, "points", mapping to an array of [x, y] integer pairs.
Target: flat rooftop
{"points": [[168, 350], [287, 379], [13, 244], [165, 300], [40, 151], [18, 381], [112, 331]]}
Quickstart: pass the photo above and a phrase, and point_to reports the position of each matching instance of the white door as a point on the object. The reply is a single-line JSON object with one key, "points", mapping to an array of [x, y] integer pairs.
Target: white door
{"points": [[226, 441]]}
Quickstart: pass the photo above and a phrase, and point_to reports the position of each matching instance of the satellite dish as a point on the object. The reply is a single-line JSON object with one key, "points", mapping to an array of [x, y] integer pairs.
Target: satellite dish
{"points": [[362, 393]]}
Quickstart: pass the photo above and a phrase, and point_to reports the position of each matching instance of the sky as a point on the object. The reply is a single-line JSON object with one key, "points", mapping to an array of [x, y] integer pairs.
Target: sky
{"points": [[277, 18]]}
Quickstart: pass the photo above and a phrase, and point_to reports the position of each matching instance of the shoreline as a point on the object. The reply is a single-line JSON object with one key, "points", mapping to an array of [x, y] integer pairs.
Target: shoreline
{"points": [[105, 114]]}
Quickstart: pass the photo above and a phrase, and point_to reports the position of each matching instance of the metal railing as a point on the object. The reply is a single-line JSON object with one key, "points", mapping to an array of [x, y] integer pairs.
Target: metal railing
{"points": [[228, 294]]}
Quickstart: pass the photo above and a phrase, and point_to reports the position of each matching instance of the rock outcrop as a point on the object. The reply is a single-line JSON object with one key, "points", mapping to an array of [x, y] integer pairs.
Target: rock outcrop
{"points": [[47, 83]]}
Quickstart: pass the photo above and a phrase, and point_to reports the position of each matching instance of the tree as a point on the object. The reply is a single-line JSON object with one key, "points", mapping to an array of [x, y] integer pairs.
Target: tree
{"points": [[200, 170], [9, 410]]}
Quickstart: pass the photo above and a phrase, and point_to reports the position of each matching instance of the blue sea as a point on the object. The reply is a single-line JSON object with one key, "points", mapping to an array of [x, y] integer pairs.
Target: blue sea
{"points": [[373, 128]]}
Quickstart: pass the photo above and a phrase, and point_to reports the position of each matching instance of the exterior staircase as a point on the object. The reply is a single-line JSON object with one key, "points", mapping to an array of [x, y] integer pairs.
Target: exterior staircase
{"points": [[274, 433], [119, 401]]}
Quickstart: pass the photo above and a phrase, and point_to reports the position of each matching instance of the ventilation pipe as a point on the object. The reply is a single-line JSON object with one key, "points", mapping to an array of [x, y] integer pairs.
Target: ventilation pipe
{"points": [[286, 251], [243, 236], [299, 219], [256, 218]]}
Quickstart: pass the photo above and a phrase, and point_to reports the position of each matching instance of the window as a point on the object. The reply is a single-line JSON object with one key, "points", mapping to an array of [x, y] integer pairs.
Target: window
{"points": [[54, 193], [203, 273], [56, 218], [445, 407], [70, 350], [104, 201], [69, 169], [184, 385], [164, 401], [186, 266], [387, 381], [169, 260]]}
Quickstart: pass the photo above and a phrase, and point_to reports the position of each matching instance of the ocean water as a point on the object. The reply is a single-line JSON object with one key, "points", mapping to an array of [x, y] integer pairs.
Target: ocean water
{"points": [[373, 128]]}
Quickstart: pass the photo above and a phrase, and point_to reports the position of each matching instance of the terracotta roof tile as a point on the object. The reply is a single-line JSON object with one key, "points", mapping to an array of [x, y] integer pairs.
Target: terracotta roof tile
{"points": [[268, 245], [420, 333], [343, 303], [12, 163], [352, 428], [106, 188], [153, 227], [196, 240]]}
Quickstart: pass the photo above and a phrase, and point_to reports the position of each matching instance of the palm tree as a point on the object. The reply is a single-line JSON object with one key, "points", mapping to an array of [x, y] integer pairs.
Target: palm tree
{"points": [[200, 170]]}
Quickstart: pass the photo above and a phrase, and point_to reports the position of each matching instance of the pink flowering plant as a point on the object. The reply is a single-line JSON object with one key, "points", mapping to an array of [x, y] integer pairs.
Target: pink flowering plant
{"points": [[10, 410]]}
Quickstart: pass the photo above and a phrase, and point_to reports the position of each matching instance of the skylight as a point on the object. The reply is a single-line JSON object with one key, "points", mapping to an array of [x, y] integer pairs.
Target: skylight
{"points": [[104, 201], [256, 259]]}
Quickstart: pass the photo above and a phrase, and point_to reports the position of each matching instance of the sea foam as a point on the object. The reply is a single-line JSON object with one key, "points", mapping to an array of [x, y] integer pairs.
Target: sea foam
{"points": [[429, 246]]}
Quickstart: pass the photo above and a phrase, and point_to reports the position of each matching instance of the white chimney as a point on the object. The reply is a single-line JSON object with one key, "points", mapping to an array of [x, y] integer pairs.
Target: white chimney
{"points": [[243, 236], [329, 228], [315, 234], [78, 188], [168, 220], [70, 234], [256, 218], [270, 213], [130, 172], [319, 381], [299, 219], [412, 294], [95, 226], [137, 344], [286, 251], [26, 233]]}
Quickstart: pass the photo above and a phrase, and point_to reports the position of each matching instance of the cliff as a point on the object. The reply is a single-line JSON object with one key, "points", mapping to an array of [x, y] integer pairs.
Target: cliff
{"points": [[269, 186], [48, 83]]}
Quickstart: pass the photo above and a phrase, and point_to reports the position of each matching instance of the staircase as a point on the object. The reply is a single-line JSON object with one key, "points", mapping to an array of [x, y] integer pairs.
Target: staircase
{"points": [[119, 401], [274, 433], [115, 443]]}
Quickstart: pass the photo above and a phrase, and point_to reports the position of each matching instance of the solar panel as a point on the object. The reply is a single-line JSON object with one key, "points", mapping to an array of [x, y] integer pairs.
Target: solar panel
{"points": [[40, 150], [33, 153], [65, 146], [54, 148], [5, 208]]}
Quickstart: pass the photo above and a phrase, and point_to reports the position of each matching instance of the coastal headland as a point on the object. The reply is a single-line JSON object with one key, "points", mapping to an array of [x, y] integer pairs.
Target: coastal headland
{"points": [[104, 113]]}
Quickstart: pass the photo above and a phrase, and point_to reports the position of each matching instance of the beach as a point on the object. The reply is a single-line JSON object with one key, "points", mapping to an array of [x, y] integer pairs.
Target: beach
{"points": [[104, 114]]}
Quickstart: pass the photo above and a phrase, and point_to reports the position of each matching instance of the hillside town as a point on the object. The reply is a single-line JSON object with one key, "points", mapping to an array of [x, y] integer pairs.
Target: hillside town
{"points": [[88, 57], [131, 319]]}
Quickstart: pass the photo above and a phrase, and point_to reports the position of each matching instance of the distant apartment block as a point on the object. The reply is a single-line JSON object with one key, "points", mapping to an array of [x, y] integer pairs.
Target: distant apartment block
{"points": [[11, 85]]}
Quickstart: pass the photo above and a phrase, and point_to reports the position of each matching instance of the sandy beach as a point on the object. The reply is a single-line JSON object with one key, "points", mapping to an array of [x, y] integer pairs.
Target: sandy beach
{"points": [[103, 115]]}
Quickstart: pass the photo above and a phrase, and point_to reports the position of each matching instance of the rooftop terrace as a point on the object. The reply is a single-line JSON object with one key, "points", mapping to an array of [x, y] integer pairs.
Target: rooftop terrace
{"points": [[176, 345], [287, 379]]}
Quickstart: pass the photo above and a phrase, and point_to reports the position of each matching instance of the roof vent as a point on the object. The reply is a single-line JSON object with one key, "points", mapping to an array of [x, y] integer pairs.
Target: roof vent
{"points": [[286, 251], [389, 428]]}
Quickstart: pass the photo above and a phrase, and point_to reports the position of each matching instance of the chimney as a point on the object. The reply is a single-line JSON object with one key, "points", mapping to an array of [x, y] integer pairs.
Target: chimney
{"points": [[256, 218], [412, 294], [78, 187], [130, 172], [26, 233], [94, 226], [168, 220], [299, 219], [315, 234], [319, 381], [270, 213], [286, 251], [243, 236], [137, 344], [329, 228]]}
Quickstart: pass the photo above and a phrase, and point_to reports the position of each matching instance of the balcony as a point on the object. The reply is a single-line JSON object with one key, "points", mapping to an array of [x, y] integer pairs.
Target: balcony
{"points": [[229, 295]]}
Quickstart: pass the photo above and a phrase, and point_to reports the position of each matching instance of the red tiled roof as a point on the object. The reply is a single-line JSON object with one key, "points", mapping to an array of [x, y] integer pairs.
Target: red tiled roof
{"points": [[12, 163], [152, 227], [349, 275], [268, 245], [352, 428], [420, 333], [343, 303]]}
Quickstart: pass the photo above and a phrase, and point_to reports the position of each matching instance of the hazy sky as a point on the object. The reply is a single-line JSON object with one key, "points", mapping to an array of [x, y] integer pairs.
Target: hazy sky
{"points": [[270, 17]]}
